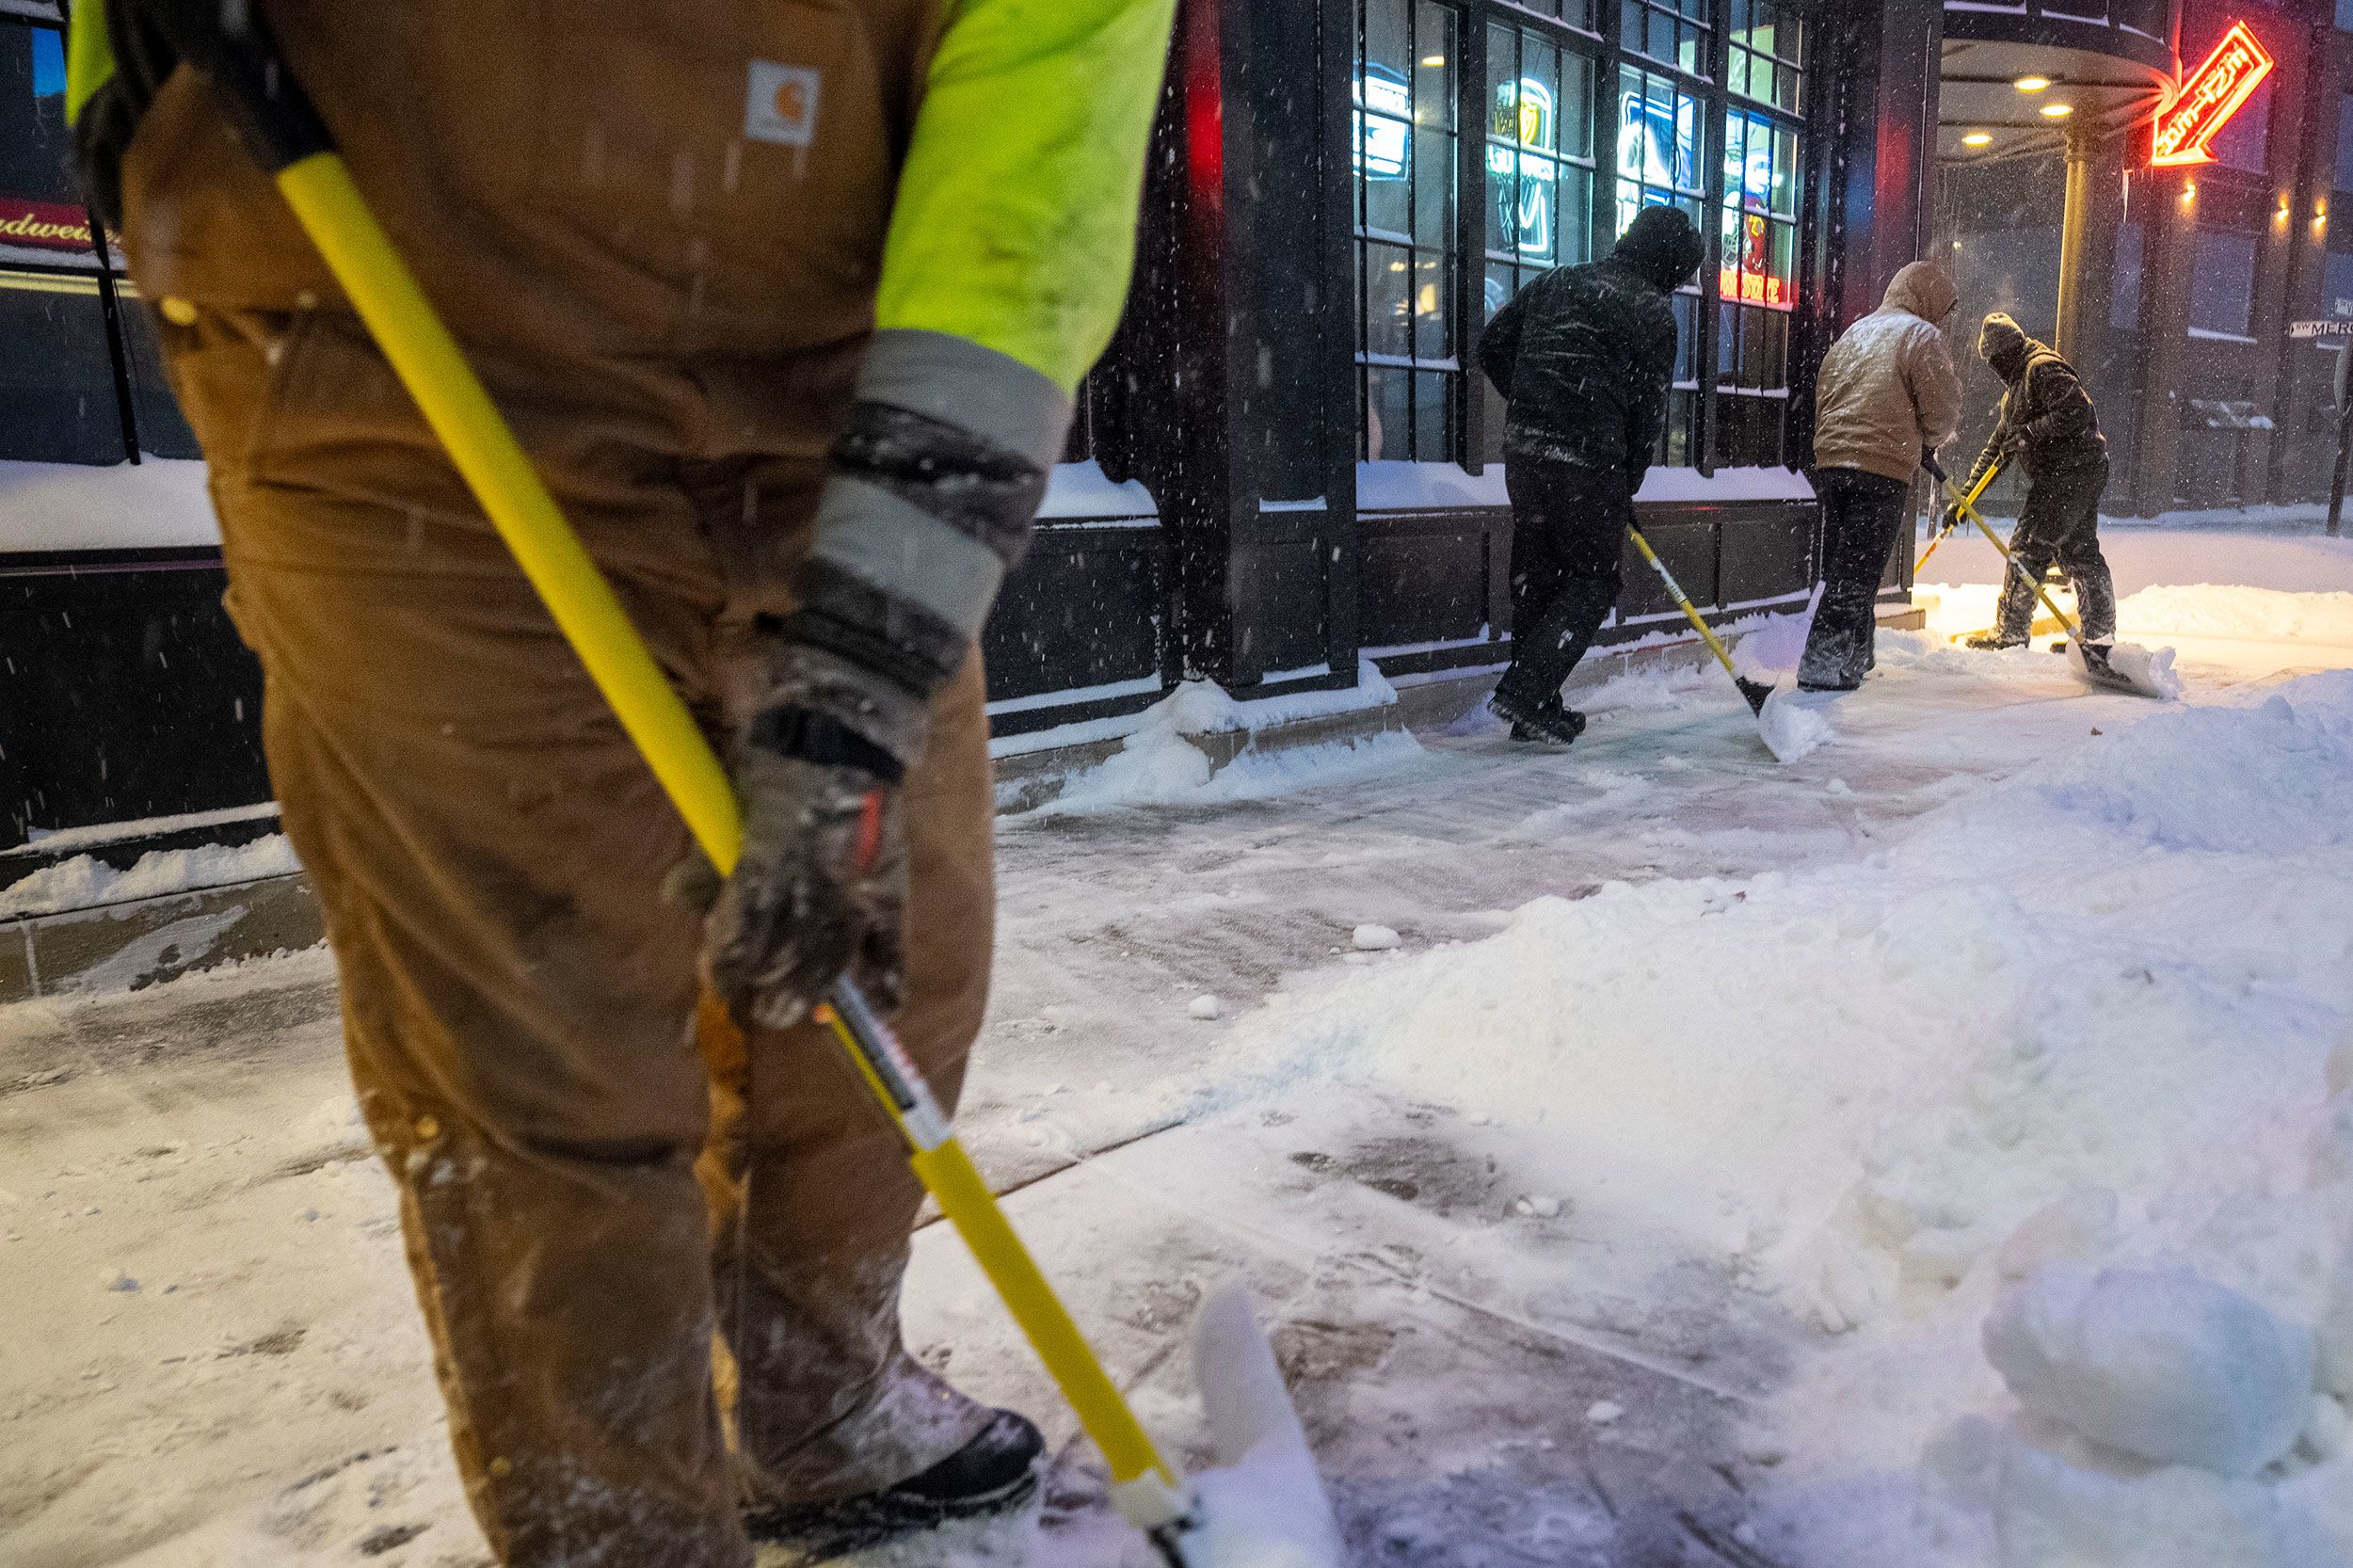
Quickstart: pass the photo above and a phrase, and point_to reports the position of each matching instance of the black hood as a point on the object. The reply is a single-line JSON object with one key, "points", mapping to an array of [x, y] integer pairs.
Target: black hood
{"points": [[2004, 345], [1663, 246]]}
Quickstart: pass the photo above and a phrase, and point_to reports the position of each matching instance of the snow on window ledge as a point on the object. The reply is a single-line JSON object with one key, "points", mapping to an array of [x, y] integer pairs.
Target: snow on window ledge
{"points": [[1076, 491], [157, 503], [1387, 486]]}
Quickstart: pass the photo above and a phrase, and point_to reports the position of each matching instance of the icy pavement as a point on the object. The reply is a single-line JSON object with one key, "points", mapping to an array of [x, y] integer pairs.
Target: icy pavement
{"points": [[1645, 1202]]}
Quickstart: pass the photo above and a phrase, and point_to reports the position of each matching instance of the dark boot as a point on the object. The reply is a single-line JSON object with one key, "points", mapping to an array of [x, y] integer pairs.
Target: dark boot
{"points": [[1549, 723], [1998, 639], [2095, 600], [995, 1473]]}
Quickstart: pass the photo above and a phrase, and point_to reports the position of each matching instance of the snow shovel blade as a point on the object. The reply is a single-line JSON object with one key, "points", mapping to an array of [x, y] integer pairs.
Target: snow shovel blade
{"points": [[1265, 1505], [1757, 692], [1789, 726], [2127, 667]]}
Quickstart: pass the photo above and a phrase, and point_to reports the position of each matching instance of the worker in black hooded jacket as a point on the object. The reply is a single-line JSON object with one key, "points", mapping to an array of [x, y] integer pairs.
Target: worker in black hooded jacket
{"points": [[2047, 420], [1585, 355]]}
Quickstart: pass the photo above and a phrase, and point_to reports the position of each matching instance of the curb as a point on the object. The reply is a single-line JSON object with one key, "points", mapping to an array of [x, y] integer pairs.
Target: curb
{"points": [[129, 947]]}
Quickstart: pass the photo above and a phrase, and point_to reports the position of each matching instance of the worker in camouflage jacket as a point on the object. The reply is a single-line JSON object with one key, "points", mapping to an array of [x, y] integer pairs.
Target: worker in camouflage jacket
{"points": [[786, 304], [1585, 357], [2048, 423]]}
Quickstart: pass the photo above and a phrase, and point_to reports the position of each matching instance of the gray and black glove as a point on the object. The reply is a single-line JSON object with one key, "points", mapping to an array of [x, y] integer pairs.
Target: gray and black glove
{"points": [[935, 485]]}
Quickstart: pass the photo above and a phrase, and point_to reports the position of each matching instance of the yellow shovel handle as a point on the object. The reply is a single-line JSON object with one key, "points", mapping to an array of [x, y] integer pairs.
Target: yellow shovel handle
{"points": [[1683, 603], [1967, 505], [429, 364]]}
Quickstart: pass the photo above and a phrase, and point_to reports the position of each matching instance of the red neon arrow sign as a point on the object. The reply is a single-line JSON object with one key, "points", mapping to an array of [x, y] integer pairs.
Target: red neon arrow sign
{"points": [[2205, 103]]}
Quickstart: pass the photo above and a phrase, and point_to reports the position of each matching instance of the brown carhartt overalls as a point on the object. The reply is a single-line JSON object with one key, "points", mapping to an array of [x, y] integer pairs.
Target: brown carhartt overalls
{"points": [[667, 295]]}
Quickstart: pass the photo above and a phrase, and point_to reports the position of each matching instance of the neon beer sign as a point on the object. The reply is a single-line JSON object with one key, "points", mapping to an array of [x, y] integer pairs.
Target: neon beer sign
{"points": [[2213, 92]]}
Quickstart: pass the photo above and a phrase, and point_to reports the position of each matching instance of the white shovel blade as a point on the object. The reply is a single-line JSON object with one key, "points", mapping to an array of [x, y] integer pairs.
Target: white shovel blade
{"points": [[2130, 667], [1792, 728], [1265, 1506]]}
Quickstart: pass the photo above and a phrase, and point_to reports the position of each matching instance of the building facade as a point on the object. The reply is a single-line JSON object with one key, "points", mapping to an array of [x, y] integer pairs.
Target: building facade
{"points": [[2187, 278], [1286, 463]]}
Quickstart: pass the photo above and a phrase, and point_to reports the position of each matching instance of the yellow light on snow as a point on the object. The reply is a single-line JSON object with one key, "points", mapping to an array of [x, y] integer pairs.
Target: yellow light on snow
{"points": [[1978, 139], [1434, 62], [2032, 83], [2058, 111]]}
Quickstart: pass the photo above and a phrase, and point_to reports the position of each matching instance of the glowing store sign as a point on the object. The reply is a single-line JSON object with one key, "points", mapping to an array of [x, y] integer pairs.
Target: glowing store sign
{"points": [[1382, 125], [47, 225], [1522, 183], [1747, 273], [1657, 145], [2213, 92]]}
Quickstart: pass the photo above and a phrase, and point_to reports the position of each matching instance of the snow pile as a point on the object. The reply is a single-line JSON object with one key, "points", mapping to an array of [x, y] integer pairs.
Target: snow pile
{"points": [[87, 882], [2162, 1365], [2208, 610], [2088, 1034], [1158, 764]]}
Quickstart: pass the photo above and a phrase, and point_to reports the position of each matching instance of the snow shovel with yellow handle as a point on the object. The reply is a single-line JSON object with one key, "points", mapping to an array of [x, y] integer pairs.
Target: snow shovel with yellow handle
{"points": [[1270, 1506], [1976, 492], [1781, 726]]}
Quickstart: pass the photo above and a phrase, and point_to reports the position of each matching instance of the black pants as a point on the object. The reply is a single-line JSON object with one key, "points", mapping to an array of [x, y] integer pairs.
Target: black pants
{"points": [[1860, 514], [2060, 522], [1568, 547]]}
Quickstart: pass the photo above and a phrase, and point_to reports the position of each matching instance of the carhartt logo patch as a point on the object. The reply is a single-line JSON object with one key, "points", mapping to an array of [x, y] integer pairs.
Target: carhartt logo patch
{"points": [[780, 106]]}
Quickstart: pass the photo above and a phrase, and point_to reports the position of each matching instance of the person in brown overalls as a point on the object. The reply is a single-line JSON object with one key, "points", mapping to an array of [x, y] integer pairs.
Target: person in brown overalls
{"points": [[787, 302]]}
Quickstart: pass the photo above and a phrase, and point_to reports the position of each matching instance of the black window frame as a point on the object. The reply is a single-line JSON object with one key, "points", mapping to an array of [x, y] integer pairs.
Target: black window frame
{"points": [[1693, 437]]}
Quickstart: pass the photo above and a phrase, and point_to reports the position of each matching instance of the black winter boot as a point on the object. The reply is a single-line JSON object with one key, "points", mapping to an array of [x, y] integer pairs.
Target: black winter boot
{"points": [[995, 1473], [1996, 640], [1548, 723]]}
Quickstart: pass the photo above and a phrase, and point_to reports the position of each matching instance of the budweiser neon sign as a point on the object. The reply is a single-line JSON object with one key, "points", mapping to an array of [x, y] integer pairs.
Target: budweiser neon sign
{"points": [[46, 224], [2205, 103]]}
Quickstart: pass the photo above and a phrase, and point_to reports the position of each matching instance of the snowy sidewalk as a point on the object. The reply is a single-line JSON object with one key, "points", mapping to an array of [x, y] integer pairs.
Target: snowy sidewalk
{"points": [[1652, 1224]]}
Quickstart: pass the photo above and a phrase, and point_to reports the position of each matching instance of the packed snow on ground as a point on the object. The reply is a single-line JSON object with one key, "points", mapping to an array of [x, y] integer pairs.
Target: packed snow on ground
{"points": [[2094, 1020], [1935, 1152]]}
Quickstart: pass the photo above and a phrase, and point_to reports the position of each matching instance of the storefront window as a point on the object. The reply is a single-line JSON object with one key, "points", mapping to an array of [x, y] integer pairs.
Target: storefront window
{"points": [[1767, 45], [2222, 283], [1576, 14], [1540, 159], [1660, 166], [1540, 171], [1410, 376], [77, 363], [41, 216], [2245, 142], [1756, 286], [1672, 32]]}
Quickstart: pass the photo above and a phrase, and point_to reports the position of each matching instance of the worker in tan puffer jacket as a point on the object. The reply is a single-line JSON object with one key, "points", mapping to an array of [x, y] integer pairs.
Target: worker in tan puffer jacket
{"points": [[1886, 395]]}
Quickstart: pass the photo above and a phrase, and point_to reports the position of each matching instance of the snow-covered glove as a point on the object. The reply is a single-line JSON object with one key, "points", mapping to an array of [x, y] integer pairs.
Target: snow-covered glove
{"points": [[821, 886], [934, 484]]}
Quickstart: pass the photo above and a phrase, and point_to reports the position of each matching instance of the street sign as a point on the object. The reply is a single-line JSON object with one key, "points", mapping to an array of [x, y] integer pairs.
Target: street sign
{"points": [[2207, 100], [2304, 331]]}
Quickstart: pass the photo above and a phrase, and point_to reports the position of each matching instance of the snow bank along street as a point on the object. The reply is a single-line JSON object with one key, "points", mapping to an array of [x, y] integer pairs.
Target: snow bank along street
{"points": [[1938, 1151]]}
